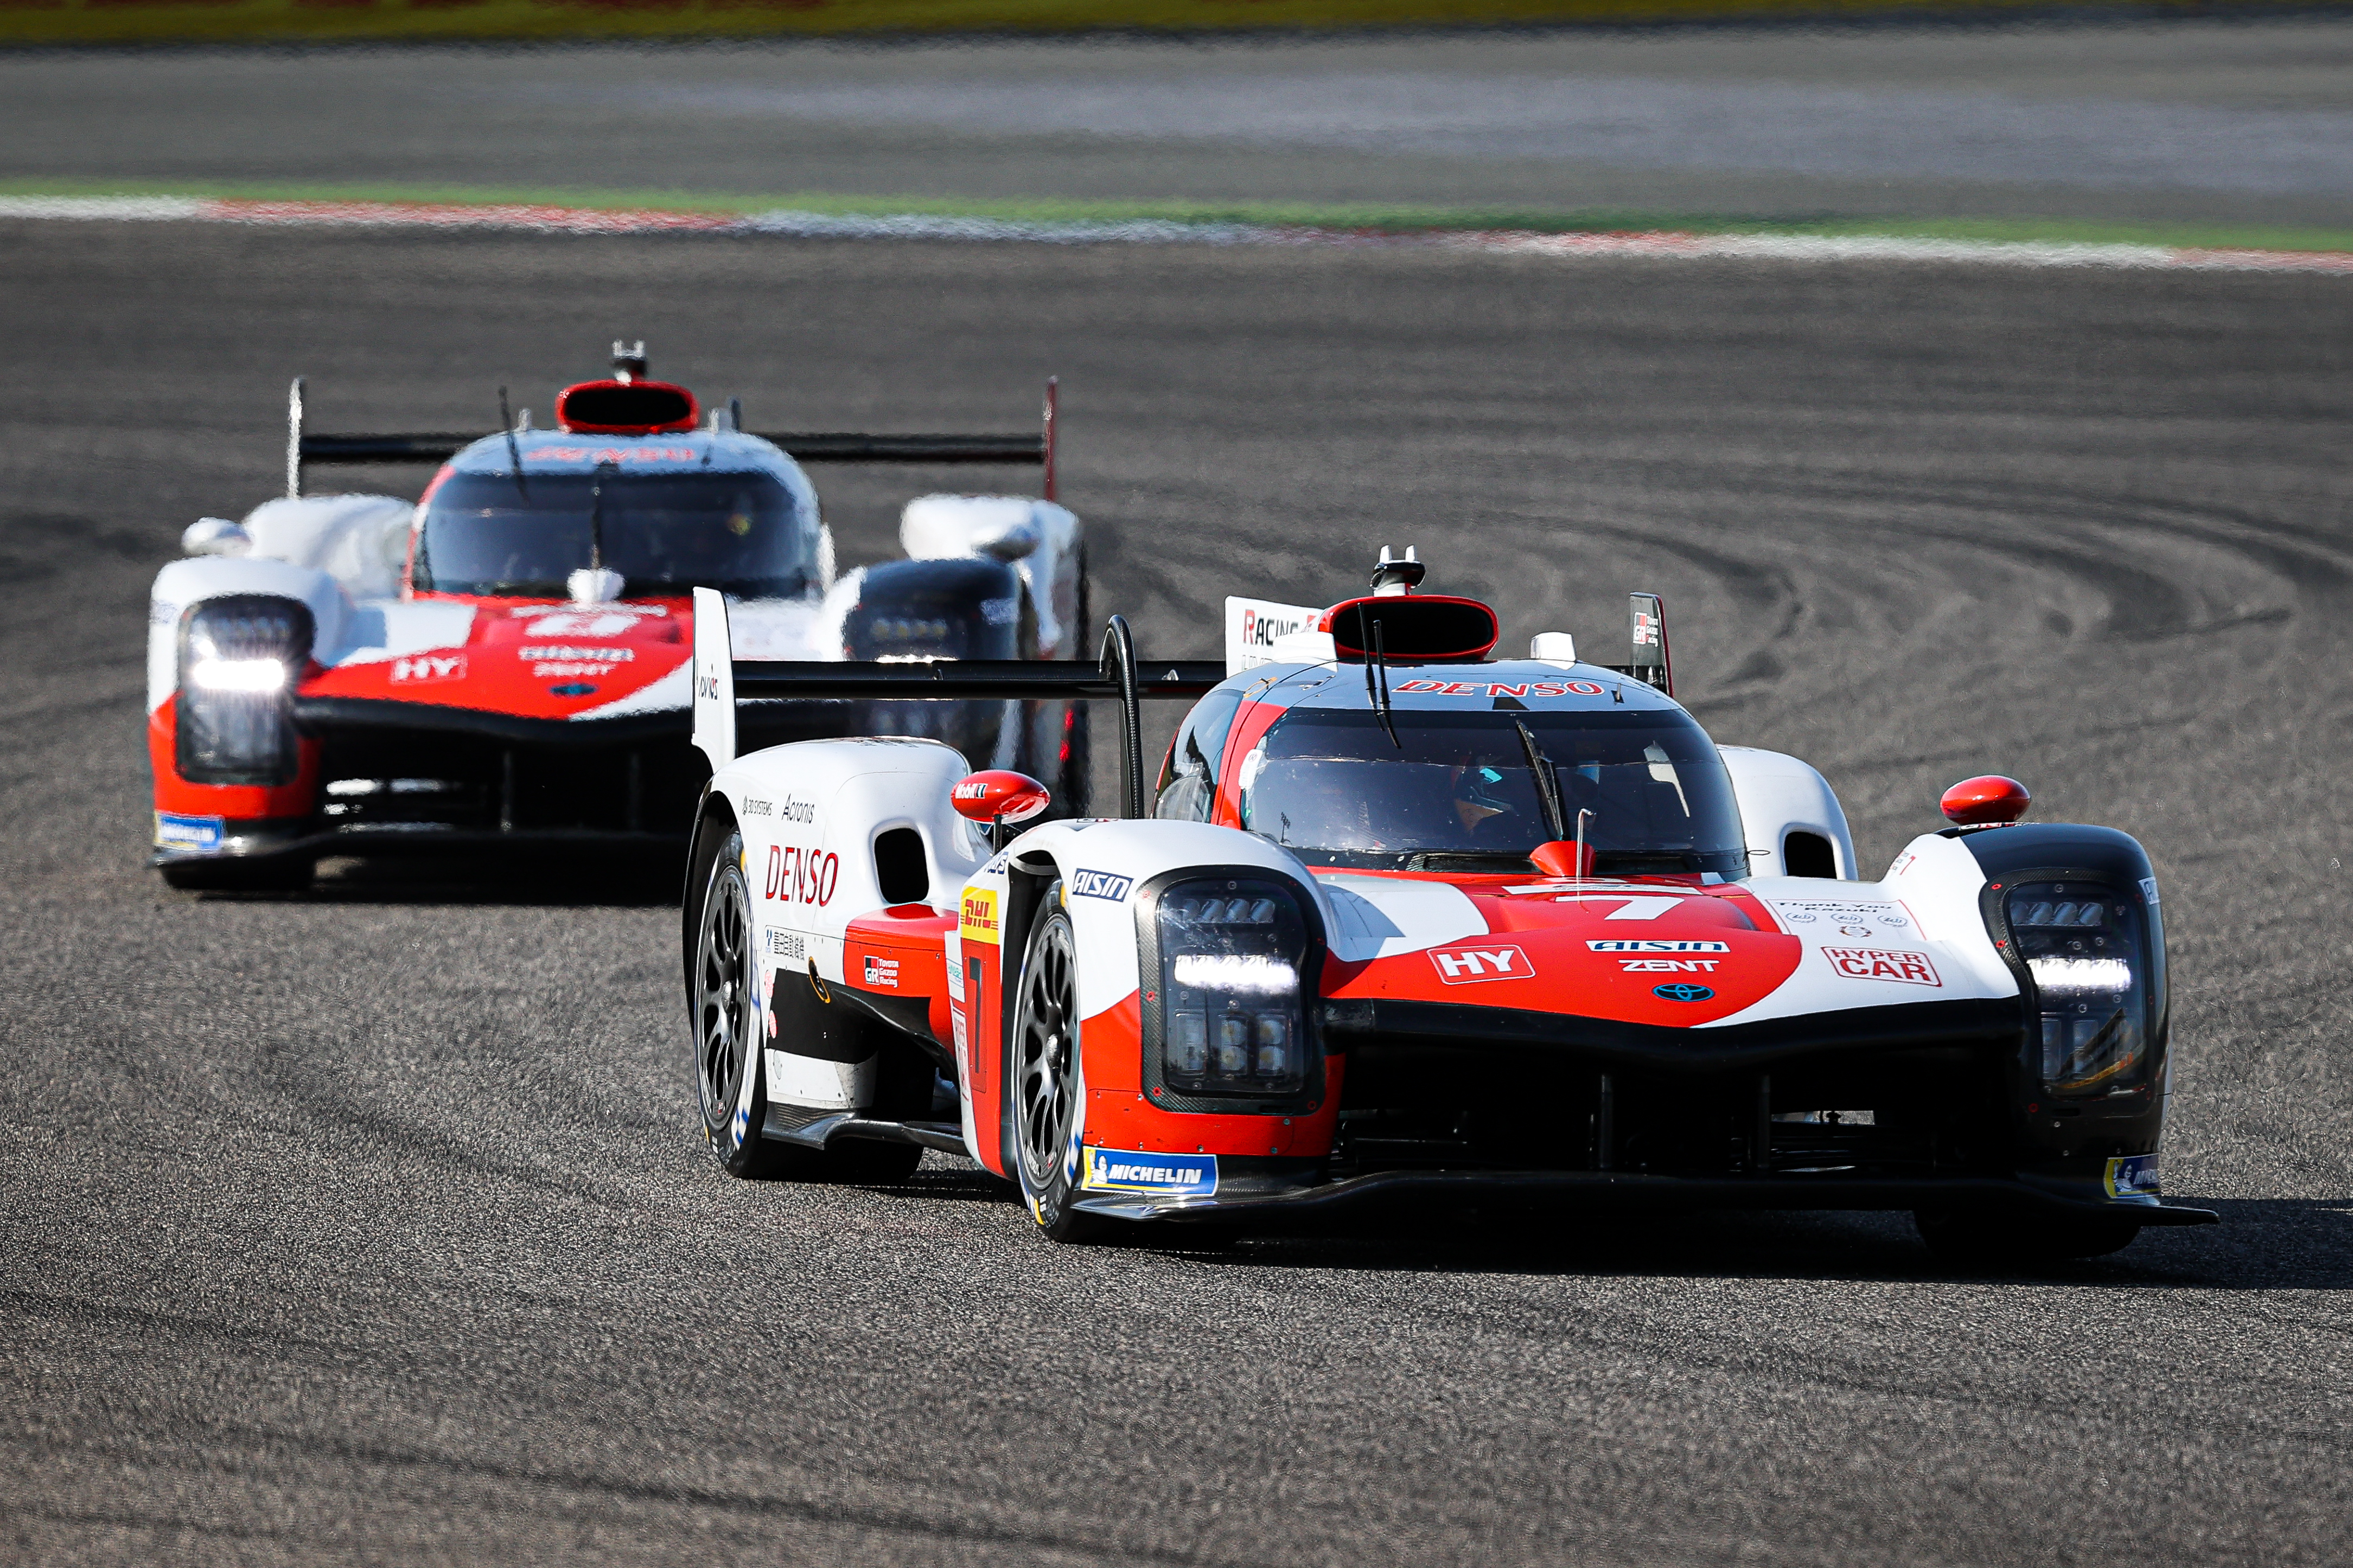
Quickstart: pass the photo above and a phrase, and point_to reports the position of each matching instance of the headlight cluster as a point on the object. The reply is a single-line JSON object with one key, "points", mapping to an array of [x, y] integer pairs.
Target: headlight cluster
{"points": [[907, 628], [239, 657], [1234, 1021], [2087, 946]]}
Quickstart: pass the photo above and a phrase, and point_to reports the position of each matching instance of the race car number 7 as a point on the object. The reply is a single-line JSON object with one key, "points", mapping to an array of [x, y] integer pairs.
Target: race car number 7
{"points": [[802, 875]]}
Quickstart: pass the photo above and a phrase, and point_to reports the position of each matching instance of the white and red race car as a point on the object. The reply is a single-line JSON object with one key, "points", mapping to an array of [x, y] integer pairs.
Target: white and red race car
{"points": [[502, 663], [1405, 921]]}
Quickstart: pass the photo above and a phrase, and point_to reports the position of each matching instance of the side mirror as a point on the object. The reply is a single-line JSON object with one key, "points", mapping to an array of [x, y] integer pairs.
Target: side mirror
{"points": [[1987, 798], [214, 536], [999, 798]]}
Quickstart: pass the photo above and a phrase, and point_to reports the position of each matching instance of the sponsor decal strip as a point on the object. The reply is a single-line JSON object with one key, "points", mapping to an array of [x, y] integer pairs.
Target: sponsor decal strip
{"points": [[1138, 1171], [795, 223]]}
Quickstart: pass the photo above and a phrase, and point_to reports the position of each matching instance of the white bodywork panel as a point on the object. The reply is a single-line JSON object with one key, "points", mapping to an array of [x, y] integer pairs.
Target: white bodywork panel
{"points": [[1780, 795], [1040, 540], [1928, 911], [1253, 628]]}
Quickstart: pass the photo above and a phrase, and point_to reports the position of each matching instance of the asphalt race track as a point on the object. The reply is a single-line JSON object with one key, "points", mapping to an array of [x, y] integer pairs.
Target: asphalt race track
{"points": [[371, 1224]]}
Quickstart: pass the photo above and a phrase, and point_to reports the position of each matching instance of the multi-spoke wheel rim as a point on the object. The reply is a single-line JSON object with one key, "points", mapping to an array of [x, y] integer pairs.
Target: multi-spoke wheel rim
{"points": [[1047, 1056], [723, 992]]}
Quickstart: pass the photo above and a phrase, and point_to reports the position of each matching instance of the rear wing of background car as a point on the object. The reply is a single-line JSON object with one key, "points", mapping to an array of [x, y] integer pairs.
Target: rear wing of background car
{"points": [[303, 448], [1257, 631], [722, 680]]}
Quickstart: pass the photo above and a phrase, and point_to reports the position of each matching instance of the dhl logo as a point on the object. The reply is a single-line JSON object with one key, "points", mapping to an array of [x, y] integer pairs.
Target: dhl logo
{"points": [[979, 924]]}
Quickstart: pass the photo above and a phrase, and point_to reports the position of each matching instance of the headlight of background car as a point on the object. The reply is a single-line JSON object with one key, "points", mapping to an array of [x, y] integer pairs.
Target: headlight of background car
{"points": [[1234, 1020], [2084, 944], [239, 658]]}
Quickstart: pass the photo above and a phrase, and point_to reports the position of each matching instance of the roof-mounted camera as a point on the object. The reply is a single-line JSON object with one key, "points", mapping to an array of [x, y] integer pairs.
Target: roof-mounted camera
{"points": [[1394, 574], [629, 359]]}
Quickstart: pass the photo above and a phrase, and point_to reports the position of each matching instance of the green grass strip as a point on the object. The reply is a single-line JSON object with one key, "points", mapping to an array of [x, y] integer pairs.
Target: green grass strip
{"points": [[1394, 219]]}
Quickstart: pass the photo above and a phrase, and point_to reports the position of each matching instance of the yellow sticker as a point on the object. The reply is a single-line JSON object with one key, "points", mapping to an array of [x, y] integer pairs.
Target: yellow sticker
{"points": [[980, 916]]}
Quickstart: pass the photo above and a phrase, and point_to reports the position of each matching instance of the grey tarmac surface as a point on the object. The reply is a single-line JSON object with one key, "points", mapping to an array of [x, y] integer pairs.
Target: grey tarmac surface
{"points": [[371, 1226], [2245, 120]]}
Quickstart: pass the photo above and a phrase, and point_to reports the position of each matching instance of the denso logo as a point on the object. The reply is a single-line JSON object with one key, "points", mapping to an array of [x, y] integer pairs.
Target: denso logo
{"points": [[422, 667], [1505, 689], [1875, 963], [1467, 961]]}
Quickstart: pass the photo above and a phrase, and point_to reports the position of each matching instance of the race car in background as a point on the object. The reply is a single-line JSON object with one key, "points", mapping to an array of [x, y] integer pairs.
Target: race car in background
{"points": [[1408, 922], [504, 661]]}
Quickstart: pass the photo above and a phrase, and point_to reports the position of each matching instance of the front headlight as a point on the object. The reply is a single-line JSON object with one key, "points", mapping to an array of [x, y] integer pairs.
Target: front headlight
{"points": [[2086, 944], [238, 655], [1232, 1003]]}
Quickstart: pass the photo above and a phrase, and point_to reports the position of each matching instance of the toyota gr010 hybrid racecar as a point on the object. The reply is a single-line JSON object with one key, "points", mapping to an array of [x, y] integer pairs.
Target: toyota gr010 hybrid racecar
{"points": [[504, 661], [1406, 919]]}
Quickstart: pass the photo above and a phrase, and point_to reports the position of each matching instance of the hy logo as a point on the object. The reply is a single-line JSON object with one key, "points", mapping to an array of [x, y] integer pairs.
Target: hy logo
{"points": [[1681, 993], [1467, 961]]}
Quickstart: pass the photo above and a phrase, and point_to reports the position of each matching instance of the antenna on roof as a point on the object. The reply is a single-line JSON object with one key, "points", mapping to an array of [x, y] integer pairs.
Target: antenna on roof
{"points": [[1394, 575], [629, 359], [514, 451]]}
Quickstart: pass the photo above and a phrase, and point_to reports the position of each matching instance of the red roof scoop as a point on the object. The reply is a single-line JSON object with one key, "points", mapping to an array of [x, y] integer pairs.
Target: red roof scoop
{"points": [[631, 407], [1411, 628]]}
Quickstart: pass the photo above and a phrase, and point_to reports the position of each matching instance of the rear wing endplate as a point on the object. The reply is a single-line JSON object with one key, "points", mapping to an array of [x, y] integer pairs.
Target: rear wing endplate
{"points": [[723, 680], [305, 448]]}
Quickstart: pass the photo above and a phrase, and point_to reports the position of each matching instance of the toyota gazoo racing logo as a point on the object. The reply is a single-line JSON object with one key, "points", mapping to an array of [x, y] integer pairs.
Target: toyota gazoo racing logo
{"points": [[1466, 962], [1681, 993]]}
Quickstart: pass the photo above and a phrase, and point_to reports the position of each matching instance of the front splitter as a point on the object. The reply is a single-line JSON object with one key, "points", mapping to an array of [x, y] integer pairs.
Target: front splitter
{"points": [[1603, 1191]]}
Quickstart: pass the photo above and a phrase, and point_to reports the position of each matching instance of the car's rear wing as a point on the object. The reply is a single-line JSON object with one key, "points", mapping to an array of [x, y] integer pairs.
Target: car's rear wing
{"points": [[305, 448], [722, 680]]}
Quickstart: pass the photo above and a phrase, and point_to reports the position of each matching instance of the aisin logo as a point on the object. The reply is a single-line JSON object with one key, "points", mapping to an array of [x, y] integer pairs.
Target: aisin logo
{"points": [[1681, 993]]}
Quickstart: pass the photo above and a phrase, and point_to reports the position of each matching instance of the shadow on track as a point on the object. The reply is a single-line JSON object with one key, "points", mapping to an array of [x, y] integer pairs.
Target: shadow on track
{"points": [[633, 879], [2262, 1244]]}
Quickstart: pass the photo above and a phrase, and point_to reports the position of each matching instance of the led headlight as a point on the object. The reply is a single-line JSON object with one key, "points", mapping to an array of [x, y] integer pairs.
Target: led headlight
{"points": [[237, 660], [1232, 1011], [2087, 946]]}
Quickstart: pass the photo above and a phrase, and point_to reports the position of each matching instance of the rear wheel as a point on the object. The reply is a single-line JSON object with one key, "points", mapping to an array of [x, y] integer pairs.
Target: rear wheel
{"points": [[726, 1019], [1048, 1079], [728, 1051], [1985, 1239]]}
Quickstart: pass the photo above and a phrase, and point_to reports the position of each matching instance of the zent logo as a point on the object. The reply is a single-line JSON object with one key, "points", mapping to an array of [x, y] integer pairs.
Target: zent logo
{"points": [[1100, 885], [428, 666], [1681, 993], [1873, 964], [1668, 965], [1462, 963]]}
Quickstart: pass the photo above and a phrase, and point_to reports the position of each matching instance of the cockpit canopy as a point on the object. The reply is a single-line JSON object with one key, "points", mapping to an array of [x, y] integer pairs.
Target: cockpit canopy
{"points": [[743, 533], [1457, 791]]}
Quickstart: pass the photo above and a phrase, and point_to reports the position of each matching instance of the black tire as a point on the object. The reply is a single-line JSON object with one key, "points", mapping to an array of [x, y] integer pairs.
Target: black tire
{"points": [[723, 1004], [1980, 1238], [1045, 1078], [726, 1018], [278, 874]]}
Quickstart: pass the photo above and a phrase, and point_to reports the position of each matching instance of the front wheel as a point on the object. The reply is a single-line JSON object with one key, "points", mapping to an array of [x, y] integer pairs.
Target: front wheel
{"points": [[1048, 1079], [1977, 1238]]}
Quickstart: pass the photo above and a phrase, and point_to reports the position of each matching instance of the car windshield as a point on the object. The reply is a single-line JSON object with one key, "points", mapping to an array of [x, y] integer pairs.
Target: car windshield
{"points": [[742, 533], [1455, 792]]}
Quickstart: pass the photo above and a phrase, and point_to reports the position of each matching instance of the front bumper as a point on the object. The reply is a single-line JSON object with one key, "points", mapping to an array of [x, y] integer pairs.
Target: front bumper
{"points": [[1625, 1192]]}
